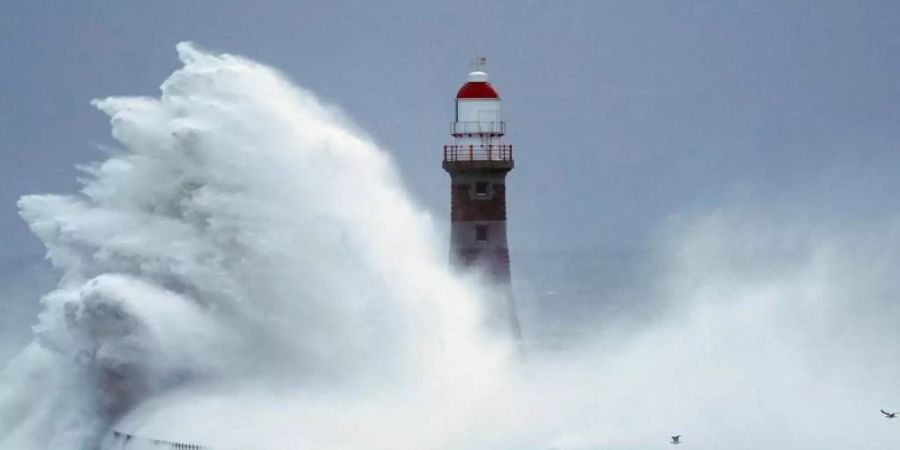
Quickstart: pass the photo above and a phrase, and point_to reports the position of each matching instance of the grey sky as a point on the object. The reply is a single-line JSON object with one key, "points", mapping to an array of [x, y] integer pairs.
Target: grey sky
{"points": [[622, 113]]}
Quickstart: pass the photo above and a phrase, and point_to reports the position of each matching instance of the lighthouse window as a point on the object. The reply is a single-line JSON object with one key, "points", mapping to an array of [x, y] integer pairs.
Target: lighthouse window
{"points": [[481, 188], [481, 233]]}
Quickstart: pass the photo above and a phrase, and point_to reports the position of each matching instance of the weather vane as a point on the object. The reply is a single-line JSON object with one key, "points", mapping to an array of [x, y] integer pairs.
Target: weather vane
{"points": [[479, 62]]}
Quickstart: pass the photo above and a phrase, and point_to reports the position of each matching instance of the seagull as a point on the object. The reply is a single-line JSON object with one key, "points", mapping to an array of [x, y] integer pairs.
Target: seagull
{"points": [[676, 440], [888, 415]]}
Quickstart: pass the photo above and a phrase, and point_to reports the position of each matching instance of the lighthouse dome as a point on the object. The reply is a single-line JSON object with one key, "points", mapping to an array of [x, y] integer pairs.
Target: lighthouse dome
{"points": [[477, 87], [478, 76]]}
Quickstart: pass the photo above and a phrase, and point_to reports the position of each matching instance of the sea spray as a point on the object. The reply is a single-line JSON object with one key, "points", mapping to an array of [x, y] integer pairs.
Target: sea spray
{"points": [[247, 271], [241, 231]]}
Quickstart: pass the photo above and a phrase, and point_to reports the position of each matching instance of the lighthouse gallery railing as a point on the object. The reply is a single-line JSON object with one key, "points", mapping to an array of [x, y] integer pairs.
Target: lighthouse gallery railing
{"points": [[473, 128], [478, 152]]}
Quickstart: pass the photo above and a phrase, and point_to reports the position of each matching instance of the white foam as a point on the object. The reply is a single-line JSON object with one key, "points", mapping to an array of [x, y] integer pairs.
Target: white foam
{"points": [[248, 271], [244, 232]]}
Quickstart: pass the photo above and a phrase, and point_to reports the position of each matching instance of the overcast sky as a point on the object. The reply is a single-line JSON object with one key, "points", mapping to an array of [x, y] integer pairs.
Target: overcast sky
{"points": [[622, 113]]}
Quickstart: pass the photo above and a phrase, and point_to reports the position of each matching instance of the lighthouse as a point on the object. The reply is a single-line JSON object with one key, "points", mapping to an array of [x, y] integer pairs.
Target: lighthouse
{"points": [[478, 162]]}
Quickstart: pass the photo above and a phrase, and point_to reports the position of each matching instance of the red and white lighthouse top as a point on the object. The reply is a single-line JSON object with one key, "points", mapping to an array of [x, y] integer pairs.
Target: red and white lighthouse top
{"points": [[477, 87]]}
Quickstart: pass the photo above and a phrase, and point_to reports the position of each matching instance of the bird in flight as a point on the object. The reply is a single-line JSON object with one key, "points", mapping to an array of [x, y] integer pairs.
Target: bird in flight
{"points": [[676, 440], [888, 415]]}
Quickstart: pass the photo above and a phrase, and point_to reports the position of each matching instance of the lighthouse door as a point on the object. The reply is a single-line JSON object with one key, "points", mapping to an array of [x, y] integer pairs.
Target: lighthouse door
{"points": [[488, 115], [487, 120]]}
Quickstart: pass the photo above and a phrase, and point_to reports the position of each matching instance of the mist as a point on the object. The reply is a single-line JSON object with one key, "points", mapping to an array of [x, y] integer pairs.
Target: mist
{"points": [[247, 269]]}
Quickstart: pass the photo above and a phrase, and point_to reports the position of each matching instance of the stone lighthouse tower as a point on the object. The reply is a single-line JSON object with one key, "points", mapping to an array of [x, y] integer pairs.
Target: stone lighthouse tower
{"points": [[478, 162]]}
